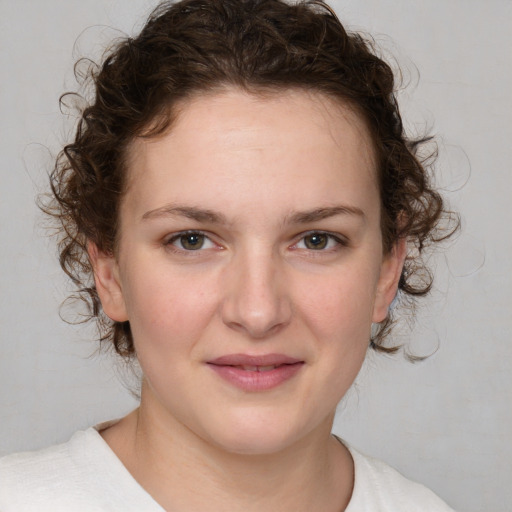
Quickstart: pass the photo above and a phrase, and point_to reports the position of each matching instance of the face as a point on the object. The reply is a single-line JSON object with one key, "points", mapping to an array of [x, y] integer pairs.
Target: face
{"points": [[250, 266]]}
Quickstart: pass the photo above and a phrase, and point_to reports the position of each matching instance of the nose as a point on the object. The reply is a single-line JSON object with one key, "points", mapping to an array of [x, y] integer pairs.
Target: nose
{"points": [[256, 302]]}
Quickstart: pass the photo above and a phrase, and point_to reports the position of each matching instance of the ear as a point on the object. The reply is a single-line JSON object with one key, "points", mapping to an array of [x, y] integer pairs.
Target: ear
{"points": [[390, 272], [108, 284]]}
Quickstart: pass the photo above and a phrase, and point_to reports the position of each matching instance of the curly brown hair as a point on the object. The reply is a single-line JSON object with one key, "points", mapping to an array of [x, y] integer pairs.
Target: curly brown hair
{"points": [[196, 46]]}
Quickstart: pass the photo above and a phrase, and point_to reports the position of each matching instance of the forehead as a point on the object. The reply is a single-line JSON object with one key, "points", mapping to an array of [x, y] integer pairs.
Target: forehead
{"points": [[296, 140], [309, 110]]}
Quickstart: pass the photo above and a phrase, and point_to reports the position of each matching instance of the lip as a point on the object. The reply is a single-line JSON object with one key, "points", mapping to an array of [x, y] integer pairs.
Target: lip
{"points": [[256, 376]]}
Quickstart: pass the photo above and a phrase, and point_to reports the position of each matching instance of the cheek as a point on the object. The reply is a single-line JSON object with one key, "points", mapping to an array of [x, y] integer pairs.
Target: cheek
{"points": [[339, 306], [335, 312], [167, 310], [338, 312]]}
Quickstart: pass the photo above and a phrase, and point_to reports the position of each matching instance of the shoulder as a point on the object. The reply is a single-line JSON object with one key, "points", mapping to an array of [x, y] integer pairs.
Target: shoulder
{"points": [[379, 487], [28, 479], [80, 475], [33, 467]]}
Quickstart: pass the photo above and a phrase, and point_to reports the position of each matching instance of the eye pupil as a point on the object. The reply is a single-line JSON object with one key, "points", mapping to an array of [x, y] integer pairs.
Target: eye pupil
{"points": [[192, 241], [316, 241]]}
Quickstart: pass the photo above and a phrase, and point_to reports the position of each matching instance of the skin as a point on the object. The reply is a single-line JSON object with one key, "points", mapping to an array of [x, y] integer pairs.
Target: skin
{"points": [[272, 173]]}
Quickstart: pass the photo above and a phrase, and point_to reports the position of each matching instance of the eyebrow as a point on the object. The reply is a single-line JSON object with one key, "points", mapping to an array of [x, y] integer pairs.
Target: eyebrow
{"points": [[190, 212], [300, 217], [324, 213]]}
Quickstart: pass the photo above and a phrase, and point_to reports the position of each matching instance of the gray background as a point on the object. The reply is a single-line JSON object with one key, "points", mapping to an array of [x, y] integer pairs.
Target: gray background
{"points": [[446, 421]]}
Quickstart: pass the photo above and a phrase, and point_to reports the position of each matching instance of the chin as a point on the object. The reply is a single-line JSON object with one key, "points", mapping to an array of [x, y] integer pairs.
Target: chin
{"points": [[254, 434]]}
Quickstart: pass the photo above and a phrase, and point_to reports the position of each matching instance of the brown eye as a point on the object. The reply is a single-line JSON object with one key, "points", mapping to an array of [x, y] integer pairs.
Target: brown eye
{"points": [[316, 241], [191, 241]]}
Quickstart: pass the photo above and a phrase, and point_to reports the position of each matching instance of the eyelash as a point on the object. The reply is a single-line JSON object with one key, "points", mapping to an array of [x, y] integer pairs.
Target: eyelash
{"points": [[169, 242], [331, 237]]}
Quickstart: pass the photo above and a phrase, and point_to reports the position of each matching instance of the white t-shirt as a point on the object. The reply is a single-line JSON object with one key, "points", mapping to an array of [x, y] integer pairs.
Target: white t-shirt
{"points": [[84, 475]]}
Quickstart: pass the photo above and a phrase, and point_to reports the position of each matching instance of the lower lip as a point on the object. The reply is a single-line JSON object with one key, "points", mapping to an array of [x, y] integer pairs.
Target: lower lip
{"points": [[256, 381]]}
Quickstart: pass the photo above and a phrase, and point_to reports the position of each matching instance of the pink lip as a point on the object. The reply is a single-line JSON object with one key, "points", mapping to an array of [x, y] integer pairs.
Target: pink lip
{"points": [[229, 367]]}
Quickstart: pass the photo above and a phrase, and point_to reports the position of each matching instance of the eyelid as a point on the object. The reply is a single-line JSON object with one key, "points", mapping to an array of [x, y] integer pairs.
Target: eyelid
{"points": [[168, 241], [340, 240]]}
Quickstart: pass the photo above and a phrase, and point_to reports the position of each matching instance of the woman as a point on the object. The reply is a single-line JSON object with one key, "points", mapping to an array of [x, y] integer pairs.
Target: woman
{"points": [[240, 207]]}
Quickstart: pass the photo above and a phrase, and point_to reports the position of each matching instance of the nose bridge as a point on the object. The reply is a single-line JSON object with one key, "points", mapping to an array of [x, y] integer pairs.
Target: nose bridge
{"points": [[256, 299]]}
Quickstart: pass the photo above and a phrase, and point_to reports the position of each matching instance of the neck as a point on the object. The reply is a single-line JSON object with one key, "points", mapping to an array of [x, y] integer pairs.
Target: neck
{"points": [[182, 471]]}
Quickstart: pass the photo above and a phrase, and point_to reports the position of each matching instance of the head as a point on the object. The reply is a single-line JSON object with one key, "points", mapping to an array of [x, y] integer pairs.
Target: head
{"points": [[263, 48]]}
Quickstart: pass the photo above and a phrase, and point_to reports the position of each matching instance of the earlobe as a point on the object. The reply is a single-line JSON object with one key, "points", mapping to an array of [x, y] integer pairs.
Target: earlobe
{"points": [[387, 287], [108, 286]]}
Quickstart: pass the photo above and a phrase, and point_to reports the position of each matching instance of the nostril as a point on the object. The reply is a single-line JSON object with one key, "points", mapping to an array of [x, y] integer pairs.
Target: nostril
{"points": [[258, 328]]}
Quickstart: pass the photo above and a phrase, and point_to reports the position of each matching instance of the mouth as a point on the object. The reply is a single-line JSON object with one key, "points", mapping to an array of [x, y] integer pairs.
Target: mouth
{"points": [[257, 368], [256, 373], [249, 361]]}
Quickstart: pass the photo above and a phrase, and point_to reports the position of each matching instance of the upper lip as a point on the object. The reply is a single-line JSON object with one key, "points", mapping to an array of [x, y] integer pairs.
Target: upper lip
{"points": [[248, 360]]}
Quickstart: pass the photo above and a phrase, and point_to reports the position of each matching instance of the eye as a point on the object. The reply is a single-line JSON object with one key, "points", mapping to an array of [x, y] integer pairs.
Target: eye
{"points": [[190, 241], [319, 241]]}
